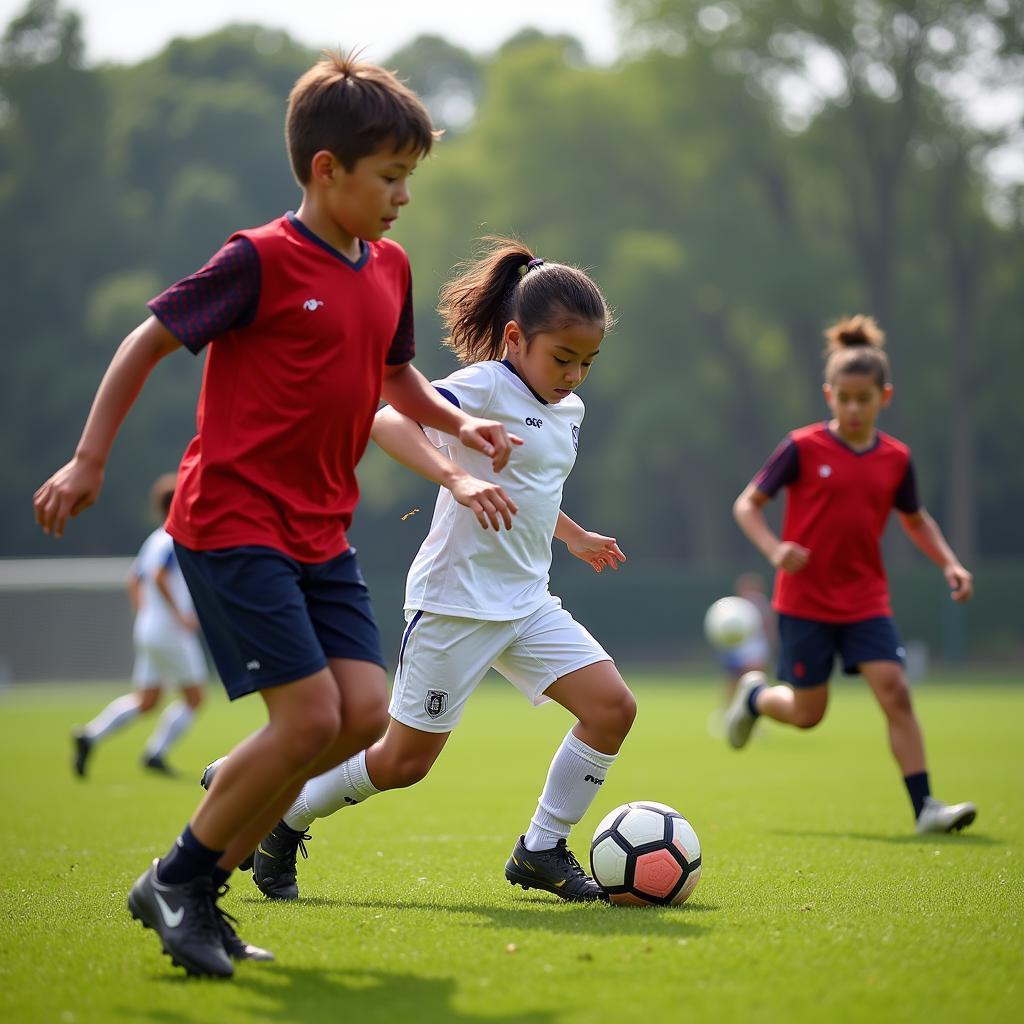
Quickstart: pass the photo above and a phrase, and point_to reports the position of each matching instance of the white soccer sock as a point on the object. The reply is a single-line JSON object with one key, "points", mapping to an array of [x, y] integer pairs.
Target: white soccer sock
{"points": [[348, 783], [574, 778], [177, 717], [117, 714]]}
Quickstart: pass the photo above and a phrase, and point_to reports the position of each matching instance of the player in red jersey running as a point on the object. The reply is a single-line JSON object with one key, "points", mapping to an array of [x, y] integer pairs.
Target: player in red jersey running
{"points": [[308, 323], [831, 593]]}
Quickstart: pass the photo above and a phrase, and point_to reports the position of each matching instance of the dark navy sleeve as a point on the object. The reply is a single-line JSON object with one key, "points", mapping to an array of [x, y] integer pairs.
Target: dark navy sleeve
{"points": [[217, 298], [905, 499], [448, 396], [403, 345], [781, 469]]}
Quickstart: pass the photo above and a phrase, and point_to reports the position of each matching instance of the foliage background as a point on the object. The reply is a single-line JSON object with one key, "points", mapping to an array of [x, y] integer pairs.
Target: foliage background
{"points": [[729, 197]]}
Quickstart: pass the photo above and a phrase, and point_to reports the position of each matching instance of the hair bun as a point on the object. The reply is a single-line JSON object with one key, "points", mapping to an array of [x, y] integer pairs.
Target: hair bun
{"points": [[854, 332]]}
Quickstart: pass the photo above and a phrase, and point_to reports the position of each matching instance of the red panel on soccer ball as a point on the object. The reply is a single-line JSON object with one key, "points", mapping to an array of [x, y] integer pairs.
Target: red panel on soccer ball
{"points": [[657, 873]]}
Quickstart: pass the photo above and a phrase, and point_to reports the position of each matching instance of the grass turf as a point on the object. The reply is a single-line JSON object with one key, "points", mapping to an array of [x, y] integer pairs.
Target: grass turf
{"points": [[817, 901]]}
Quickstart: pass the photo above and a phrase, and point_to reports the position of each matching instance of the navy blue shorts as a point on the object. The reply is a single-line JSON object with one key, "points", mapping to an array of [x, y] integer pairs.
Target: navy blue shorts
{"points": [[269, 619], [808, 648]]}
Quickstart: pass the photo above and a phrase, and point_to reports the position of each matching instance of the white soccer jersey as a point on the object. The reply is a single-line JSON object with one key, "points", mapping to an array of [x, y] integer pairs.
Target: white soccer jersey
{"points": [[155, 623], [464, 570]]}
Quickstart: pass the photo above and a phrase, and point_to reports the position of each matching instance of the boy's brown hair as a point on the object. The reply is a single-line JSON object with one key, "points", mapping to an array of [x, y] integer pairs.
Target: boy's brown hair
{"points": [[351, 108]]}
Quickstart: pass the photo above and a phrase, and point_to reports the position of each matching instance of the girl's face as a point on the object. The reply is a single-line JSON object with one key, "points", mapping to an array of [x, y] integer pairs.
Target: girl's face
{"points": [[554, 363], [856, 400]]}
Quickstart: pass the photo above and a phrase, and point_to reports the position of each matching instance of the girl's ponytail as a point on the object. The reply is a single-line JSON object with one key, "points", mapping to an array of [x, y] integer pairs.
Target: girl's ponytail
{"points": [[507, 282]]}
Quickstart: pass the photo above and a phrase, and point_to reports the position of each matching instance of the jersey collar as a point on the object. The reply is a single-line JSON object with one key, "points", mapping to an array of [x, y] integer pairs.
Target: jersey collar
{"points": [[364, 246], [509, 366], [849, 447]]}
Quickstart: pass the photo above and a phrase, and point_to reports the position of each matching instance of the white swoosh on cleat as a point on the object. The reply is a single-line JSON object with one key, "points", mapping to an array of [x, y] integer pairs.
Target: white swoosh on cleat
{"points": [[172, 918]]}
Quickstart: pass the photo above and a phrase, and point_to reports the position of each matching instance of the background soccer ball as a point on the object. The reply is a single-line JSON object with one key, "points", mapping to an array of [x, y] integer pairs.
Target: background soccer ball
{"points": [[731, 621], [645, 853]]}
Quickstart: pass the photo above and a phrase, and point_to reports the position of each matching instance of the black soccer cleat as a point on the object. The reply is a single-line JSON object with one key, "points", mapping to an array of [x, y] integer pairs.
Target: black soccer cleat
{"points": [[273, 865], [83, 748], [187, 921], [235, 947], [206, 780], [555, 870], [155, 763]]}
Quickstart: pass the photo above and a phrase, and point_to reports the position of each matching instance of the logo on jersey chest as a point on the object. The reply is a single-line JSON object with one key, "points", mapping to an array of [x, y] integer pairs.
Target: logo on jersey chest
{"points": [[532, 421], [435, 703], [824, 472]]}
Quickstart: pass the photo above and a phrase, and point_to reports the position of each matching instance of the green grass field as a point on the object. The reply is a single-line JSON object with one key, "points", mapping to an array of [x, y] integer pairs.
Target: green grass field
{"points": [[817, 901]]}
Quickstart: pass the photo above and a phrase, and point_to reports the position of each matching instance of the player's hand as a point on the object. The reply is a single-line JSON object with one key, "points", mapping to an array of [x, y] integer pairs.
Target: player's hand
{"points": [[597, 551], [790, 557], [72, 489], [490, 438], [487, 501], [961, 582]]}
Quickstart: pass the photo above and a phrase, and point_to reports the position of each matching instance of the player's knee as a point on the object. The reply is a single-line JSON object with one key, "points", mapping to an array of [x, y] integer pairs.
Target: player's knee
{"points": [[808, 718], [193, 697], [313, 736], [894, 697], [147, 700], [614, 715]]}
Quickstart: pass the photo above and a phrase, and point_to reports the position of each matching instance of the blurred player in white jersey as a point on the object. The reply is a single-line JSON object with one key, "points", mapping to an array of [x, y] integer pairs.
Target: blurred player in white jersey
{"points": [[167, 650], [527, 332]]}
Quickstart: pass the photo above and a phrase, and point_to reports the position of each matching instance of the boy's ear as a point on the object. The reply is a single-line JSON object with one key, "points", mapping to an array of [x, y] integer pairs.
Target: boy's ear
{"points": [[887, 393], [323, 167]]}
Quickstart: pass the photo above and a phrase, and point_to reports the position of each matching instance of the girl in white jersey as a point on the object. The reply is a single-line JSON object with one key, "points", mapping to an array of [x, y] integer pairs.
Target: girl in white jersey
{"points": [[167, 649], [527, 332]]}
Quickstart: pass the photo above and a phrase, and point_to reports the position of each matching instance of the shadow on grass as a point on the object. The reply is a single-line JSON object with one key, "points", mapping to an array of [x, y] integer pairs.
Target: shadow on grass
{"points": [[312, 994], [536, 913], [903, 839]]}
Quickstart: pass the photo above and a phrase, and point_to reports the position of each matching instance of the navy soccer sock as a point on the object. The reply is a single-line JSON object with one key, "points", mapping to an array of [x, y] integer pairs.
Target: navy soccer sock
{"points": [[187, 859], [918, 788]]}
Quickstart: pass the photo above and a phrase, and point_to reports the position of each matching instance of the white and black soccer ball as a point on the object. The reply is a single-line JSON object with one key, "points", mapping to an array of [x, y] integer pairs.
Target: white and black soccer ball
{"points": [[645, 854], [731, 621]]}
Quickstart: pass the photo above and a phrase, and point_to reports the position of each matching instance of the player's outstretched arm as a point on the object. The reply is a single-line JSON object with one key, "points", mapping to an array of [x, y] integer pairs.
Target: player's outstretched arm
{"points": [[404, 440], [926, 535], [596, 550], [748, 511], [410, 393], [76, 485]]}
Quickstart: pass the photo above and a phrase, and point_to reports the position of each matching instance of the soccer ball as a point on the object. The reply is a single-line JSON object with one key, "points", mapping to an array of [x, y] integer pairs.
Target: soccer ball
{"points": [[645, 854], [731, 621]]}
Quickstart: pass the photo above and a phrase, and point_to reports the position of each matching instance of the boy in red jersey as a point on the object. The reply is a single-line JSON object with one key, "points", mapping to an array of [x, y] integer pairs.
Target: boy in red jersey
{"points": [[831, 592], [310, 317]]}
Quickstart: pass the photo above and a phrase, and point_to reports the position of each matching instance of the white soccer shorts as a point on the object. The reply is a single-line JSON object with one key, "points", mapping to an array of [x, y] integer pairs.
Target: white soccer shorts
{"points": [[174, 662], [443, 658]]}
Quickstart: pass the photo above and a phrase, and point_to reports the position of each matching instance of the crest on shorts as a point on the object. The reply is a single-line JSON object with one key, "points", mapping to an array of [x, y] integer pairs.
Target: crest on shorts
{"points": [[435, 703]]}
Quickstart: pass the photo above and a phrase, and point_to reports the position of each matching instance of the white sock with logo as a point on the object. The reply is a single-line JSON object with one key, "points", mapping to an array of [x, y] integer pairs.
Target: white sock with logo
{"points": [[574, 778], [177, 717], [348, 783], [116, 715]]}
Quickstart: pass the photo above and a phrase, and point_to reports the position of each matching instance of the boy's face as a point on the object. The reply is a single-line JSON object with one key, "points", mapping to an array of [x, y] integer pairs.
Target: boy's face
{"points": [[365, 201], [856, 400]]}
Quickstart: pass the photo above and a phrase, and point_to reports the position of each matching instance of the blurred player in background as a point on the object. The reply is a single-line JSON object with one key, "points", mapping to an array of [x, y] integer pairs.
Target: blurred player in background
{"points": [[754, 653], [843, 478], [167, 650], [527, 333]]}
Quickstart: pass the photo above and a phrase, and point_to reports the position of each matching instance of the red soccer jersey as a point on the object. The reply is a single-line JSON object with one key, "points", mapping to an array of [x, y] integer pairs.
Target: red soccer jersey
{"points": [[290, 387], [837, 504]]}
